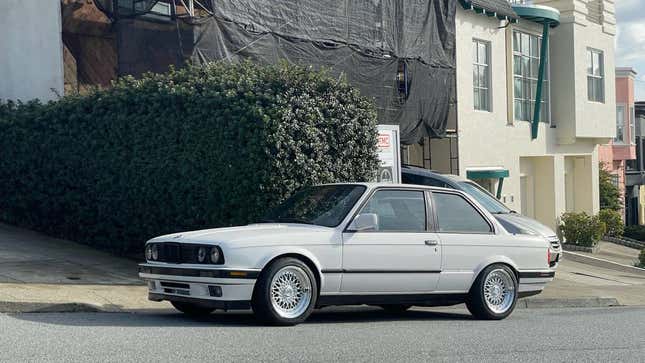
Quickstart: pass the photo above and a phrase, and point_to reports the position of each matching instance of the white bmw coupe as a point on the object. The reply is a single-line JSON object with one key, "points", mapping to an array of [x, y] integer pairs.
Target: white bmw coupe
{"points": [[388, 245]]}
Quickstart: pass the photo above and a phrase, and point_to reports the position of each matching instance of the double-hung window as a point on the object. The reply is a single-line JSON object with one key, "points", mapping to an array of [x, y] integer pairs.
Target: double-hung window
{"points": [[481, 75], [620, 124], [595, 76], [526, 66], [632, 125]]}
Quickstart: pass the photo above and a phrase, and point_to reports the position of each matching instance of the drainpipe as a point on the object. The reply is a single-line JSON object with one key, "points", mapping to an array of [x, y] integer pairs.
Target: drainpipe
{"points": [[538, 92]]}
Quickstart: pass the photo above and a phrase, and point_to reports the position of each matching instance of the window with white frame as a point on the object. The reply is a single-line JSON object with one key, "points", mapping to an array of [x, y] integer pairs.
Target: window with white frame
{"points": [[620, 124], [632, 125], [481, 75], [595, 76], [526, 66]]}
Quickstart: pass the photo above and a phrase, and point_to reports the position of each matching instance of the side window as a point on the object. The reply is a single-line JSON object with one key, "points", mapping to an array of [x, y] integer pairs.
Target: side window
{"points": [[398, 210], [456, 215]]}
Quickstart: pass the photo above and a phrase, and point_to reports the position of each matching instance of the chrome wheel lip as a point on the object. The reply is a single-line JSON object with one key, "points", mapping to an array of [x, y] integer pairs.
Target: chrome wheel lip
{"points": [[499, 291], [290, 292]]}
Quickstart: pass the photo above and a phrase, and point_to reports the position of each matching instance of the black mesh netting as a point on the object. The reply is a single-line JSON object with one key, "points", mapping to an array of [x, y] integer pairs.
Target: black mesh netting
{"points": [[399, 52]]}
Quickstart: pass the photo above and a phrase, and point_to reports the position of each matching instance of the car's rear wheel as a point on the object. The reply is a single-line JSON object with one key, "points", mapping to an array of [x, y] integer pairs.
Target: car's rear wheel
{"points": [[494, 294], [395, 308], [192, 309], [285, 293]]}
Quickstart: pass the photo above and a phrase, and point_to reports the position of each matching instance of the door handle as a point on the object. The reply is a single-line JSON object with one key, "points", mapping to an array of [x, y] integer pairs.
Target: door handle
{"points": [[431, 242]]}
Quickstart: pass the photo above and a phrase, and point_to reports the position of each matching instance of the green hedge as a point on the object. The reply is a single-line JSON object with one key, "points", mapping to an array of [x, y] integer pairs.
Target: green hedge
{"points": [[582, 229], [613, 221], [635, 232], [193, 148]]}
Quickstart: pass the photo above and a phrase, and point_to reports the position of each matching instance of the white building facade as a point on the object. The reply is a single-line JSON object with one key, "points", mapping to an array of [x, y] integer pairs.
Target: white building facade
{"points": [[497, 77], [31, 50]]}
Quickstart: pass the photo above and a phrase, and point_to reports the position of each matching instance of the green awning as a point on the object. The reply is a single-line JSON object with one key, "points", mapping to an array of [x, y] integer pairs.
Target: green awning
{"points": [[487, 174], [499, 174], [500, 9], [538, 13]]}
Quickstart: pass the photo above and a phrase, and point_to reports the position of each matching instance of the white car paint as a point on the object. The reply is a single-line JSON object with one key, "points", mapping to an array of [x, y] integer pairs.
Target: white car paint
{"points": [[356, 263]]}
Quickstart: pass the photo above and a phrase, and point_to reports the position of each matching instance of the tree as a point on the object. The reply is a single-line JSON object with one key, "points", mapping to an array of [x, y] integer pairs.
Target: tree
{"points": [[609, 193]]}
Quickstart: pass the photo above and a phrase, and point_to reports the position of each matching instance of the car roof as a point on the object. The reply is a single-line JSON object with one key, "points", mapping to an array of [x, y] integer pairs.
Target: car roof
{"points": [[373, 185], [415, 170]]}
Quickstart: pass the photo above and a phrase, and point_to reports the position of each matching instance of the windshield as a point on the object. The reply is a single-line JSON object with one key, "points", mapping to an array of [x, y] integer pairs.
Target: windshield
{"points": [[484, 198], [325, 205]]}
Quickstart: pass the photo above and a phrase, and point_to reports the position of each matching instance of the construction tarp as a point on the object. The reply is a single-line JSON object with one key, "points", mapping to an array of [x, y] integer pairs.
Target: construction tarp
{"points": [[400, 53]]}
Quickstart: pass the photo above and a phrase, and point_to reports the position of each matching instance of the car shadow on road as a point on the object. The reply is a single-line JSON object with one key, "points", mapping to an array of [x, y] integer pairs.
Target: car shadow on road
{"points": [[170, 318]]}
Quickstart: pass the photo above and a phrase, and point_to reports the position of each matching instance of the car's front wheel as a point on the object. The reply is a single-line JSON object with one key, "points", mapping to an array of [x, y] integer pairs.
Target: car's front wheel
{"points": [[494, 293], [285, 293], [191, 309]]}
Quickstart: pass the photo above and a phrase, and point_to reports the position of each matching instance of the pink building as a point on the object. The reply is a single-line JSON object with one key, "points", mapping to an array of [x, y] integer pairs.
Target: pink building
{"points": [[622, 147]]}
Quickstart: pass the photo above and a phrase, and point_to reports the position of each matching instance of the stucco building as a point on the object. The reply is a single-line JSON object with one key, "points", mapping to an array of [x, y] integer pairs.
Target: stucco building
{"points": [[548, 167], [622, 148]]}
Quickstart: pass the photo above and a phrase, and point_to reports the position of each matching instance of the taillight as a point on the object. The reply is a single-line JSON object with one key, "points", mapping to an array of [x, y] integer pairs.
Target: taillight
{"points": [[548, 257]]}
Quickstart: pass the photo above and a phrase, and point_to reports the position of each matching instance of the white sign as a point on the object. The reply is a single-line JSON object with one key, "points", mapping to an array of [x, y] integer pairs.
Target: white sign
{"points": [[389, 147]]}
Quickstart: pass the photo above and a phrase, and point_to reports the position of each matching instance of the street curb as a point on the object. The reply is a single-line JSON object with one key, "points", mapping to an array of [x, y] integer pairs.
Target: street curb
{"points": [[581, 302], [599, 262], [18, 307], [44, 307]]}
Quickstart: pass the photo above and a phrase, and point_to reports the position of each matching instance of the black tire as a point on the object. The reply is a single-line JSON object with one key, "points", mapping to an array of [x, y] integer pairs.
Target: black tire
{"points": [[395, 308], [191, 309], [476, 301], [261, 302]]}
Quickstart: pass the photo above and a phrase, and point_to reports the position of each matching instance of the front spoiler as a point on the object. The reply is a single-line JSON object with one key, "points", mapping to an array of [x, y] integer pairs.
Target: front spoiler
{"points": [[215, 304]]}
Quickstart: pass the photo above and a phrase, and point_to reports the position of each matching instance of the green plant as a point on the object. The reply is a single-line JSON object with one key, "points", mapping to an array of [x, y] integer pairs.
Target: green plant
{"points": [[635, 232], [192, 148], [613, 221], [581, 229], [641, 259], [609, 193]]}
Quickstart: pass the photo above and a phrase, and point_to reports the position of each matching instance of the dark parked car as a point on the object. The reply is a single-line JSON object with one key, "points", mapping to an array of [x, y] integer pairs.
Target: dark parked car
{"points": [[511, 220]]}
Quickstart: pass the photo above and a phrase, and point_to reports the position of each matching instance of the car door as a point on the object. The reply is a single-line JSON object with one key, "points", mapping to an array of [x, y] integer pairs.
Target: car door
{"points": [[402, 255], [467, 237]]}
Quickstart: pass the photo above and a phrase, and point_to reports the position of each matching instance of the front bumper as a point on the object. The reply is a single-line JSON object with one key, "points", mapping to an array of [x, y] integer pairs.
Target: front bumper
{"points": [[221, 288]]}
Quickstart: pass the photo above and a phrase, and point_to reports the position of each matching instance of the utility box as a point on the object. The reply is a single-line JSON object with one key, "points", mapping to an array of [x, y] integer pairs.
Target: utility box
{"points": [[389, 152]]}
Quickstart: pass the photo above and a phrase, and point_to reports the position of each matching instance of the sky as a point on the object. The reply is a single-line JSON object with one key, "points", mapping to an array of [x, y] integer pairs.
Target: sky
{"points": [[630, 43]]}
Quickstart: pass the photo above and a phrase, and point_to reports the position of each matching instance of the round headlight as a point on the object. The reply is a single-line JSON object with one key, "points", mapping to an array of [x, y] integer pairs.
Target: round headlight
{"points": [[215, 255], [149, 252], [201, 254], [154, 252]]}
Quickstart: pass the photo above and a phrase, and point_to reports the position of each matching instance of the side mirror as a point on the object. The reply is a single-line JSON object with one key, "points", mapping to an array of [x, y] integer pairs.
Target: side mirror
{"points": [[367, 222]]}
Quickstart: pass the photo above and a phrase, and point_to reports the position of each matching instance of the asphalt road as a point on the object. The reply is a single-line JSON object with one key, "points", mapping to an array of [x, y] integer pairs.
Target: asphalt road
{"points": [[347, 334]]}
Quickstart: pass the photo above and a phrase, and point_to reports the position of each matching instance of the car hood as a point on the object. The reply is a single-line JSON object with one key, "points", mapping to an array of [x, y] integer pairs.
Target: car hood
{"points": [[262, 234], [522, 222]]}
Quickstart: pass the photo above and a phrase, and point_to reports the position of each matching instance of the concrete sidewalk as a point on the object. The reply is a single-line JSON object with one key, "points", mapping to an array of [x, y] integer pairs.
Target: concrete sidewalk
{"points": [[43, 274]]}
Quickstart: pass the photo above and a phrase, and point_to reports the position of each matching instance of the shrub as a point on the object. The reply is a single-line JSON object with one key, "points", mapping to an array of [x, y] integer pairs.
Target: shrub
{"points": [[641, 259], [613, 221], [635, 232], [581, 229], [193, 148], [609, 193]]}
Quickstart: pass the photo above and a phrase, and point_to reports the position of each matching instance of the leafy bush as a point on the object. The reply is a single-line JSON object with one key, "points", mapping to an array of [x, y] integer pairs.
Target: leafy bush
{"points": [[609, 193], [193, 148], [613, 221], [641, 259], [635, 232], [581, 229]]}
